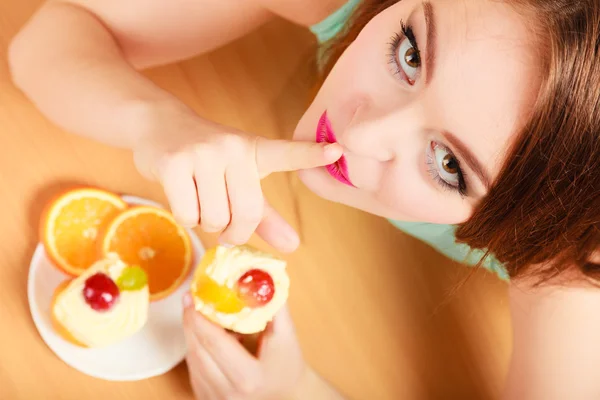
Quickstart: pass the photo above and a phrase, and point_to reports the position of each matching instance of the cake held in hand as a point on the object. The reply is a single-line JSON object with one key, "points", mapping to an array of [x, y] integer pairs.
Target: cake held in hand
{"points": [[240, 288], [104, 305]]}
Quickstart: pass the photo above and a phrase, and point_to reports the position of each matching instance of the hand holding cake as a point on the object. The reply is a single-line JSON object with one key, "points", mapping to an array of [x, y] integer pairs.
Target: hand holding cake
{"points": [[221, 367], [240, 288]]}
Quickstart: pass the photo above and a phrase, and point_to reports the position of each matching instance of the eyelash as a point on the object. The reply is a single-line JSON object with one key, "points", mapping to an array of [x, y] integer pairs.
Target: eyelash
{"points": [[406, 31], [394, 45], [435, 174]]}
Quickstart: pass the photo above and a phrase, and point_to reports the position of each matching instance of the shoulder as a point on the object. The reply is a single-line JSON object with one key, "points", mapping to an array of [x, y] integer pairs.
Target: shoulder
{"points": [[555, 330], [302, 12]]}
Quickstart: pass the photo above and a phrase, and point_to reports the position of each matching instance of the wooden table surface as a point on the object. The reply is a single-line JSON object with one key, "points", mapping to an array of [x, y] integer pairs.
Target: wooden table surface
{"points": [[377, 312]]}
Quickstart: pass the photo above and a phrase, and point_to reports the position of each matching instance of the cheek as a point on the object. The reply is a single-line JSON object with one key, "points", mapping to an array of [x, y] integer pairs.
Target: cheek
{"points": [[409, 194], [362, 74], [322, 185], [365, 65]]}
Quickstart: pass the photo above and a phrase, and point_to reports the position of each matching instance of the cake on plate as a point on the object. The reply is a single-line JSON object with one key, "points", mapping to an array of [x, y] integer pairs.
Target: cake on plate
{"points": [[107, 303]]}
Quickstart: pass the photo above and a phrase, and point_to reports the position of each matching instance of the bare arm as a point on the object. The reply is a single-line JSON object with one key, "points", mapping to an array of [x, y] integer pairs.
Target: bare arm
{"points": [[314, 387], [556, 345], [90, 49], [77, 60]]}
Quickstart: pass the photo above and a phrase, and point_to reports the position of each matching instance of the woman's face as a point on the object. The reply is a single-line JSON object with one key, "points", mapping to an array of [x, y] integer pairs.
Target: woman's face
{"points": [[425, 102]]}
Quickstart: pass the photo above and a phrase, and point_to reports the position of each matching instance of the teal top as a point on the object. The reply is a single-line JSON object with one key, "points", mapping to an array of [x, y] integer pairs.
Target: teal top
{"points": [[333, 24], [440, 237]]}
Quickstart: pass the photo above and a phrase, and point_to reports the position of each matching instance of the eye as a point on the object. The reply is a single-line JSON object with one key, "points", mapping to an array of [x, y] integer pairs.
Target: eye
{"points": [[404, 55], [445, 169], [409, 60], [447, 165]]}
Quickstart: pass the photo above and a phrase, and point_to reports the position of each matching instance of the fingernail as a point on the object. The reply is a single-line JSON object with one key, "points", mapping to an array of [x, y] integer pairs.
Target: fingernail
{"points": [[290, 235], [224, 243], [184, 223], [187, 300], [332, 150]]}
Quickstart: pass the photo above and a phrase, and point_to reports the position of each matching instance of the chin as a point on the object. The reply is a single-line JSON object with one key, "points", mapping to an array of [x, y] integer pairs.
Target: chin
{"points": [[316, 181], [298, 136], [307, 178], [306, 128]]}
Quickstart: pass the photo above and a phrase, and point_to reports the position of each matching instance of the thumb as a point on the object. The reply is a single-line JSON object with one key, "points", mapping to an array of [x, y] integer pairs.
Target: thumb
{"points": [[276, 231], [189, 313], [280, 336], [286, 155]]}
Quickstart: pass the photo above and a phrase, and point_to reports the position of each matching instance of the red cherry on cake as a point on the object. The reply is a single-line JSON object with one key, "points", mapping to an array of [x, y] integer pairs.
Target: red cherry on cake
{"points": [[100, 292], [256, 288]]}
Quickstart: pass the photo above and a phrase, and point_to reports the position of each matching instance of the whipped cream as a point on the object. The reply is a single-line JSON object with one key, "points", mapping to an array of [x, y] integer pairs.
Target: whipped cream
{"points": [[227, 267], [97, 329]]}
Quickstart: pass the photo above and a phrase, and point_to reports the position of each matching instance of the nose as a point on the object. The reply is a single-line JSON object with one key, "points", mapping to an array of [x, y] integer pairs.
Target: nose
{"points": [[384, 133], [378, 139]]}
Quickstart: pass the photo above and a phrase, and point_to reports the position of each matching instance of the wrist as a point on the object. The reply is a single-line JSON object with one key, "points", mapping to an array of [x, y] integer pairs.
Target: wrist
{"points": [[314, 387], [145, 119], [152, 127]]}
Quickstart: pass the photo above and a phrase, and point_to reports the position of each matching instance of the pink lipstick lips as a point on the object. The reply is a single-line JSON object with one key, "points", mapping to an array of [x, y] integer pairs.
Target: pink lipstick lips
{"points": [[339, 169]]}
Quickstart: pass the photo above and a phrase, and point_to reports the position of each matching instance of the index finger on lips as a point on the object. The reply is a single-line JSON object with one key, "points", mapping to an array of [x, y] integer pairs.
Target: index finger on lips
{"points": [[286, 155]]}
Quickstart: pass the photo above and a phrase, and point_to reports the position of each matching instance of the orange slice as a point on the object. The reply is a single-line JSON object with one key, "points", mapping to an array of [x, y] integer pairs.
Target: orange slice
{"points": [[151, 238], [71, 223]]}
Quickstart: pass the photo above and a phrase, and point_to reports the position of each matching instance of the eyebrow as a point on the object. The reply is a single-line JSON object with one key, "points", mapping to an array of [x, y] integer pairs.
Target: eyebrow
{"points": [[469, 158], [431, 39], [455, 142]]}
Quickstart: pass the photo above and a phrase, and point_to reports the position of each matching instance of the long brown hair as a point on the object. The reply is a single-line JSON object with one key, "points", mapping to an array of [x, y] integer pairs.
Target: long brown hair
{"points": [[542, 215]]}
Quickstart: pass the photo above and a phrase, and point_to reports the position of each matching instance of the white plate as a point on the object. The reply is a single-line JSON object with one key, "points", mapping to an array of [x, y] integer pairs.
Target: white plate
{"points": [[154, 350]]}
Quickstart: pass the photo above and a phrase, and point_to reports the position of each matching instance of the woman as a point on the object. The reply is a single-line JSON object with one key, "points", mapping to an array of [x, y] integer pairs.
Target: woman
{"points": [[474, 121]]}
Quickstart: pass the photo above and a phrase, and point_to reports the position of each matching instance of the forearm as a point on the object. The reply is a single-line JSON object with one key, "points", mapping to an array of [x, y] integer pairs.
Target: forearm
{"points": [[72, 69], [314, 387]]}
